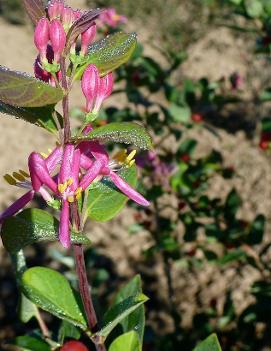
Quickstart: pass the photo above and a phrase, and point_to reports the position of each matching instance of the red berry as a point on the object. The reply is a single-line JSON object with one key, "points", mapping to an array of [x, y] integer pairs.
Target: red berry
{"points": [[74, 346], [185, 158], [264, 144], [197, 118]]}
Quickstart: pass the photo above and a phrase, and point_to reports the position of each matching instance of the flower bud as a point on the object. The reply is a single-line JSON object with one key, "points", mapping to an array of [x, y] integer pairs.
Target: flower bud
{"points": [[104, 90], [90, 84], [41, 37], [55, 9], [39, 72], [77, 14], [68, 17], [87, 38], [58, 38]]}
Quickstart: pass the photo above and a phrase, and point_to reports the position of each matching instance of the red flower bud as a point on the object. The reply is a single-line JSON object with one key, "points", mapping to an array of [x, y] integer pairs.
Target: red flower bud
{"points": [[39, 72], [58, 38], [55, 9], [89, 84], [68, 17], [73, 346], [87, 38], [41, 37]]}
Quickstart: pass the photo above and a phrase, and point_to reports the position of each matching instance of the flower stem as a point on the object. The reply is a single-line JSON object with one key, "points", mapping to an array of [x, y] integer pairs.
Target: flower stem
{"points": [[65, 102]]}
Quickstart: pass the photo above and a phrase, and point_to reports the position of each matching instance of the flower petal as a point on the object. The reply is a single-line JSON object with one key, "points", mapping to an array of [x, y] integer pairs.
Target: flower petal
{"points": [[64, 225], [17, 205]]}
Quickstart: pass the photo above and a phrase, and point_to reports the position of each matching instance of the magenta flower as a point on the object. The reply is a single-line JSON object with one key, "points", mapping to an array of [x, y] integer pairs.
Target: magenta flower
{"points": [[87, 38], [41, 37], [111, 18], [95, 89], [58, 38], [79, 167], [55, 9]]}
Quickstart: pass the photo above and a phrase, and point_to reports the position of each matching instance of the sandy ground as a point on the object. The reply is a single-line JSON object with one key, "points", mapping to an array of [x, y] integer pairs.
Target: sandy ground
{"points": [[18, 139]]}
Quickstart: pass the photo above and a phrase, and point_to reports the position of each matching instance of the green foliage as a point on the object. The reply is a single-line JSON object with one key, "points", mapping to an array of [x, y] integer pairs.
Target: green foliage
{"points": [[129, 341], [35, 226], [50, 291], [209, 344], [29, 343], [127, 133]]}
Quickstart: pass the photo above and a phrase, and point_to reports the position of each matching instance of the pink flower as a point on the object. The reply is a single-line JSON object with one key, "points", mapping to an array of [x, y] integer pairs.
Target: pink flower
{"points": [[41, 37], [58, 38], [79, 167], [87, 38], [111, 18], [55, 9], [96, 89]]}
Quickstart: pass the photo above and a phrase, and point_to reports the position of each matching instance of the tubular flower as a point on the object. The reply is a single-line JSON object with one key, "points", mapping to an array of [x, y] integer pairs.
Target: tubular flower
{"points": [[58, 38], [111, 18], [95, 89], [41, 37]]}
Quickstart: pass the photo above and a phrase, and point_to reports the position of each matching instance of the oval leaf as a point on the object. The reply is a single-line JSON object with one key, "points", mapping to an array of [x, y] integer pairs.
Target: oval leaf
{"points": [[120, 311], [136, 320], [20, 89], [125, 132], [109, 53], [40, 116], [29, 343], [30, 226], [51, 291], [128, 342], [105, 200], [209, 344]]}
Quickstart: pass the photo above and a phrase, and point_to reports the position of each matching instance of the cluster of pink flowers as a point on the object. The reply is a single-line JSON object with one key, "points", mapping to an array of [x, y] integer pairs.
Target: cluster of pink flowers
{"points": [[50, 39], [61, 177]]}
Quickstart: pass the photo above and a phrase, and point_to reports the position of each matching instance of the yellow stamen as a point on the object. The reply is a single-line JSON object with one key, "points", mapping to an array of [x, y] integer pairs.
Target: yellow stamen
{"points": [[70, 181], [62, 187], [50, 151], [9, 179], [44, 155], [25, 174], [131, 155], [120, 156], [70, 199], [78, 196], [18, 176], [131, 163], [78, 190]]}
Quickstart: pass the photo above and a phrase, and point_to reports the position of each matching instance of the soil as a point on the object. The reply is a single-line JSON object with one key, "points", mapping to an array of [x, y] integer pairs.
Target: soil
{"points": [[217, 54]]}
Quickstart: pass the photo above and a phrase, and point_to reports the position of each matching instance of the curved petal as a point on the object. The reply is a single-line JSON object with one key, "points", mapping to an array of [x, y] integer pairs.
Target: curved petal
{"points": [[17, 205], [64, 225]]}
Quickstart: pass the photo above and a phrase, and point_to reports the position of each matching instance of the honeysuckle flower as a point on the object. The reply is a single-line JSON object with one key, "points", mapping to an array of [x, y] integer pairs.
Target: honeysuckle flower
{"points": [[87, 38], [68, 17], [111, 18], [20, 179], [96, 89], [55, 9], [57, 38], [41, 37]]}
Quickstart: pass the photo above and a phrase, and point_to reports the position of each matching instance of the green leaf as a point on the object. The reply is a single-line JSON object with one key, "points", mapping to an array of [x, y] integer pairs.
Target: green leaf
{"points": [[27, 310], [136, 320], [125, 132], [110, 53], [254, 8], [209, 344], [67, 330], [51, 291], [105, 201], [29, 343], [128, 342], [180, 113], [256, 233], [40, 116], [33, 225], [20, 89], [117, 313]]}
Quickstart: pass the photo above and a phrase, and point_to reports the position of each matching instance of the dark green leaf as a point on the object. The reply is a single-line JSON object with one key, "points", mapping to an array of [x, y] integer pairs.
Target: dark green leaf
{"points": [[110, 52], [29, 343], [40, 116], [105, 201], [128, 342], [119, 312], [209, 344], [256, 233], [136, 320], [30, 226], [35, 9], [51, 291], [67, 330], [233, 202], [125, 132], [20, 89], [232, 256]]}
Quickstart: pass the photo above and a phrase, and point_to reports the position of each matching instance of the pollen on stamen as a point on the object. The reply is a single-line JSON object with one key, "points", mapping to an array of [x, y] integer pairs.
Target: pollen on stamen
{"points": [[9, 179], [43, 154], [69, 181], [131, 155], [18, 176], [23, 173], [70, 199]]}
